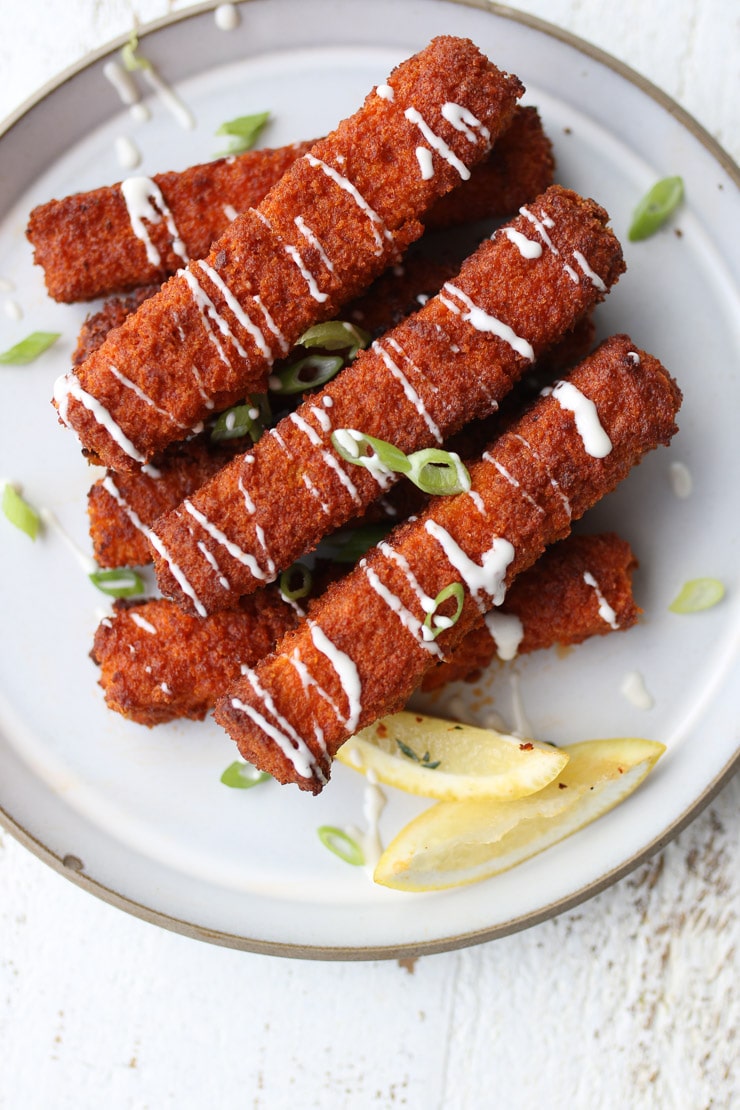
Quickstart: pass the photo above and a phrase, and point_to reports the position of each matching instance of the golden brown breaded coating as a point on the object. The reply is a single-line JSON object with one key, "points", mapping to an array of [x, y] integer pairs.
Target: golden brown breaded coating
{"points": [[553, 602], [451, 362], [121, 507], [329, 227], [364, 648], [110, 316], [68, 235], [148, 683], [158, 663], [519, 168], [87, 247]]}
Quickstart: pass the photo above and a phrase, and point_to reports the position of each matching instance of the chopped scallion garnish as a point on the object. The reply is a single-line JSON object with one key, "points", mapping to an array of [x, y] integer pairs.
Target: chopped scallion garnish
{"points": [[655, 207], [434, 624], [118, 582], [307, 373], [698, 594], [243, 776], [347, 545], [242, 420], [244, 131], [29, 348], [336, 335], [130, 56], [288, 587], [341, 844], [437, 472], [19, 512]]}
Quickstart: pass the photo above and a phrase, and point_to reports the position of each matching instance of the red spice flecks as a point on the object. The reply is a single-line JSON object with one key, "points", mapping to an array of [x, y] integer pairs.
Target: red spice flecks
{"points": [[526, 747]]}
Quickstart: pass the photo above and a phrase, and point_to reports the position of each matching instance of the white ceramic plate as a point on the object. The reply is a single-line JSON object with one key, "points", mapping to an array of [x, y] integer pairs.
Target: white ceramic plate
{"points": [[138, 816]]}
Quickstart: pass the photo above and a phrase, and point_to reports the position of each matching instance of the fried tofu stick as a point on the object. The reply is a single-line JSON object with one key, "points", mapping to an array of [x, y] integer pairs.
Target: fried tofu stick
{"points": [[364, 651], [449, 363], [331, 225], [158, 663], [580, 587], [88, 248]]}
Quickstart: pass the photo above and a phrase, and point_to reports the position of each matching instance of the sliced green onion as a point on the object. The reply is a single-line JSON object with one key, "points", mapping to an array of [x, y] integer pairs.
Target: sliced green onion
{"points": [[347, 545], [241, 420], [698, 594], [438, 472], [367, 451], [336, 335], [29, 348], [244, 131], [307, 373], [303, 589], [119, 582], [130, 57], [341, 844], [243, 776], [19, 512], [655, 208], [436, 624], [423, 760]]}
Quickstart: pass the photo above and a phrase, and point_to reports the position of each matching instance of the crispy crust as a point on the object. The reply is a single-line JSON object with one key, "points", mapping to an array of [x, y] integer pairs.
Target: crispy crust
{"points": [[182, 668], [140, 390], [368, 667], [87, 248], [555, 604], [459, 371]]}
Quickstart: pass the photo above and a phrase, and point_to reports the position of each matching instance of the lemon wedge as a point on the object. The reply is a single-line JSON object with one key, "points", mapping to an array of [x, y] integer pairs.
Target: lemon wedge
{"points": [[449, 761], [454, 843]]}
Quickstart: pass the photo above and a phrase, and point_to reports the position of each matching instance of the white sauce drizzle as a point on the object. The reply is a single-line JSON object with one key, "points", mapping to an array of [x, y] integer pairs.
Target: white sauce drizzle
{"points": [[127, 152], [291, 744], [635, 691], [308, 681], [169, 99], [437, 143], [526, 247], [426, 164], [553, 482], [385, 92], [127, 89], [68, 386], [596, 442], [462, 119], [346, 185], [211, 558], [606, 612], [411, 623], [477, 500], [507, 632], [681, 481], [143, 623], [208, 312], [88, 564], [230, 212], [226, 17], [512, 481], [483, 322], [373, 803], [241, 315], [409, 392], [297, 258], [633, 357], [330, 460], [486, 577], [284, 344], [244, 557], [592, 276], [346, 670], [315, 493], [309, 236], [540, 226], [522, 727], [139, 392], [144, 201], [322, 419], [13, 310]]}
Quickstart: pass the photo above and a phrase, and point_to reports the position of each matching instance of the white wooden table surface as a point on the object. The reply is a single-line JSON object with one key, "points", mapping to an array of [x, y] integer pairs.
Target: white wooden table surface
{"points": [[628, 1001]]}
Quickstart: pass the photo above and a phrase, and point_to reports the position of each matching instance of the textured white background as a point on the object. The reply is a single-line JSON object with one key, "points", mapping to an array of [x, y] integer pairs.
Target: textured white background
{"points": [[629, 1001]]}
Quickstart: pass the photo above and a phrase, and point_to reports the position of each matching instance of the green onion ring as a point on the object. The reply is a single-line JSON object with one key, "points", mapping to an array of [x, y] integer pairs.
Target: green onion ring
{"points": [[239, 421], [118, 582], [243, 776], [655, 208], [341, 844], [437, 472], [289, 379], [336, 335], [303, 590], [29, 348], [433, 624], [19, 512], [697, 595], [355, 447]]}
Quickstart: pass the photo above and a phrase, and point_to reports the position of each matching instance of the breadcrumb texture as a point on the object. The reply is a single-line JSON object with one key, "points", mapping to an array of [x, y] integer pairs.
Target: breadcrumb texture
{"points": [[458, 368], [211, 334], [286, 727]]}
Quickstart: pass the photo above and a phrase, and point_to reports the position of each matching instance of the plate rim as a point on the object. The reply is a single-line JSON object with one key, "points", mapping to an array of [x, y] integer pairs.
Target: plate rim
{"points": [[478, 936]]}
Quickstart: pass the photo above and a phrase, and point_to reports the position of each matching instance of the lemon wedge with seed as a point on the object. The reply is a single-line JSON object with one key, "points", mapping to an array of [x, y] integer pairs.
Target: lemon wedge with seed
{"points": [[449, 761], [454, 843]]}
